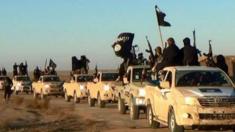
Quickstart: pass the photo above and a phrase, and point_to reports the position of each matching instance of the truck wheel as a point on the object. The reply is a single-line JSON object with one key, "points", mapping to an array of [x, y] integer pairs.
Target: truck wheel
{"points": [[75, 98], [66, 97], [100, 103], [17, 92], [134, 111], [35, 95], [42, 96], [121, 106], [152, 123], [172, 123], [91, 101]]}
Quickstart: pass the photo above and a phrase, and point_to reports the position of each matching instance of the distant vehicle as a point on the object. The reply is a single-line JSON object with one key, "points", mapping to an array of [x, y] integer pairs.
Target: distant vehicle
{"points": [[131, 95], [2, 79], [193, 97], [77, 88], [102, 89], [48, 85], [22, 84]]}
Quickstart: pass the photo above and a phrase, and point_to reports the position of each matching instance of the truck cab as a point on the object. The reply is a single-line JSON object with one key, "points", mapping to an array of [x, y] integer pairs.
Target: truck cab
{"points": [[48, 85], [102, 88], [77, 88], [131, 95], [22, 83], [191, 97]]}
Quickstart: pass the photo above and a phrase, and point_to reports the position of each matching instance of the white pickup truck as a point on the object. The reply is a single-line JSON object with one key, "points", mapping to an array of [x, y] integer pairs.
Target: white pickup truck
{"points": [[48, 85], [191, 97], [102, 89], [77, 88], [22, 84], [131, 93]]}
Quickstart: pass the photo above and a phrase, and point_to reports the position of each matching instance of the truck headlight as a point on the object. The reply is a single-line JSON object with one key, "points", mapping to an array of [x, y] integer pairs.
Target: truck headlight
{"points": [[142, 92], [82, 87], [106, 87], [190, 100], [47, 86], [18, 84]]}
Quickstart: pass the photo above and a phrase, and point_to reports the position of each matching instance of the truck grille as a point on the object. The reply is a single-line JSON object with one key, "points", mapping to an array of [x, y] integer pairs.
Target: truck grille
{"points": [[217, 101], [217, 116]]}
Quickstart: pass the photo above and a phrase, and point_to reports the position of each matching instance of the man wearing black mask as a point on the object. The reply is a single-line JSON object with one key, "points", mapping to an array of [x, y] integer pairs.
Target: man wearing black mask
{"points": [[189, 54]]}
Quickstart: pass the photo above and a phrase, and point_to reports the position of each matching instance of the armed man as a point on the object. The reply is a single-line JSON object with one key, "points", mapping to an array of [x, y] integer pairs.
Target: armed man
{"points": [[171, 56], [7, 89], [15, 72], [189, 54], [4, 72], [221, 63]]}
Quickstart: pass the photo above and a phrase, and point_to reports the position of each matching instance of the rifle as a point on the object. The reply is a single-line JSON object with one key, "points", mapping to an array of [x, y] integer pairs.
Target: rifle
{"points": [[150, 50], [45, 66], [210, 61], [194, 43]]}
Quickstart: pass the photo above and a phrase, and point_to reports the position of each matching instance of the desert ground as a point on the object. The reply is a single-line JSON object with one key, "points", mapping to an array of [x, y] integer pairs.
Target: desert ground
{"points": [[24, 114]]}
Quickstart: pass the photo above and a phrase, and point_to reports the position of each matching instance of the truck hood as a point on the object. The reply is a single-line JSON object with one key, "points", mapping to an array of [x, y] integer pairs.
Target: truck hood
{"points": [[207, 91]]}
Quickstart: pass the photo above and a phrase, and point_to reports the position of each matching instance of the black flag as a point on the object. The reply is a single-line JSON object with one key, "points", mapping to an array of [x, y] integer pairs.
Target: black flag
{"points": [[160, 17], [52, 64], [122, 47]]}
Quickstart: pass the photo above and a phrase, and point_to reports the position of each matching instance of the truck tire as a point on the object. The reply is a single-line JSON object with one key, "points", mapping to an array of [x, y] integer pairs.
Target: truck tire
{"points": [[100, 103], [66, 97], [42, 96], [121, 106], [150, 117], [35, 95], [172, 124], [134, 110], [16, 92], [75, 98], [91, 101]]}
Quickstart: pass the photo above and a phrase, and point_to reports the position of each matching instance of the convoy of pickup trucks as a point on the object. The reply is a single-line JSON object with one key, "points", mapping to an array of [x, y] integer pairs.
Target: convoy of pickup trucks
{"points": [[182, 97]]}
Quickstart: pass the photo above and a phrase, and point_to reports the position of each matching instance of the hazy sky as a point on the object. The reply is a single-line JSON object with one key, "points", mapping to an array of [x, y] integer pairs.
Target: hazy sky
{"points": [[34, 30]]}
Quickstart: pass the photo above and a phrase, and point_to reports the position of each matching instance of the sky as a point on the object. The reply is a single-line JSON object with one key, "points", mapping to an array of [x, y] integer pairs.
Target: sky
{"points": [[34, 30]]}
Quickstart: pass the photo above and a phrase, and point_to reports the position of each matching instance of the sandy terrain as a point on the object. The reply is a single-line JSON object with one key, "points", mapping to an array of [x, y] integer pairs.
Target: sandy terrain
{"points": [[23, 113]]}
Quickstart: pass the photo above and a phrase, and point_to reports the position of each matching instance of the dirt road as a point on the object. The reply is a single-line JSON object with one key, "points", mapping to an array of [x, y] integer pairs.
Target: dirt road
{"points": [[23, 114]]}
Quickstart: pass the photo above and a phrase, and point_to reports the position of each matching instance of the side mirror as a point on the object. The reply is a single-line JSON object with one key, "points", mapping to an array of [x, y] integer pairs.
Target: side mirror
{"points": [[165, 84], [95, 80], [125, 80]]}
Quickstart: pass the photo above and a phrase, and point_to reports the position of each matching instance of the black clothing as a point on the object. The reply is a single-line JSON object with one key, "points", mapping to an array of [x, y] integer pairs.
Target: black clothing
{"points": [[7, 88], [171, 57], [221, 63], [189, 55]]}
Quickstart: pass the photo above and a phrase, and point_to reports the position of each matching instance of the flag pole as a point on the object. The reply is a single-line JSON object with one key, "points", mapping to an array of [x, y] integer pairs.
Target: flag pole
{"points": [[159, 28], [160, 32]]}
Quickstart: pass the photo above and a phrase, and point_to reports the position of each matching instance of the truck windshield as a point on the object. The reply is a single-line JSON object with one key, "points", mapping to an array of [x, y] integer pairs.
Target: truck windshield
{"points": [[202, 78], [51, 79], [109, 76], [22, 79], [84, 78], [141, 75]]}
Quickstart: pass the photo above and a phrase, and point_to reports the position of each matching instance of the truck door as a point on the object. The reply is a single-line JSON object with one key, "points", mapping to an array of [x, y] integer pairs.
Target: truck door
{"points": [[164, 98], [157, 95]]}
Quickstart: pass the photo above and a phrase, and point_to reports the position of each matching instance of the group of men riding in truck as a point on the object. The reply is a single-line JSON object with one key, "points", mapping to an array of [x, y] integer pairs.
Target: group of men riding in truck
{"points": [[171, 55]]}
